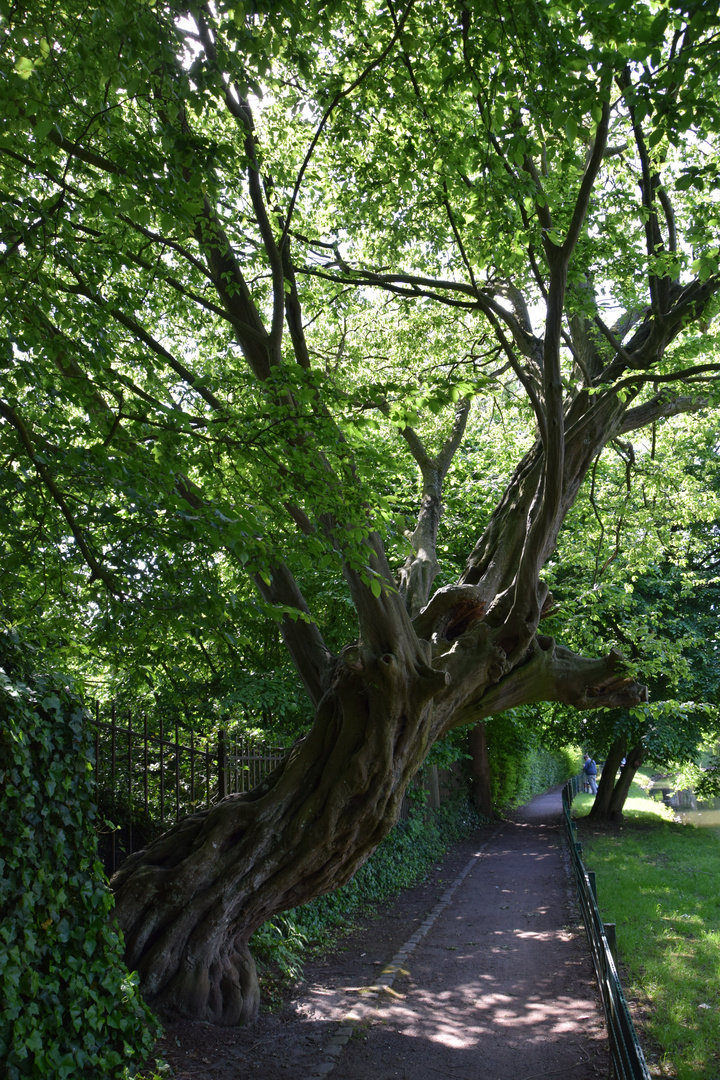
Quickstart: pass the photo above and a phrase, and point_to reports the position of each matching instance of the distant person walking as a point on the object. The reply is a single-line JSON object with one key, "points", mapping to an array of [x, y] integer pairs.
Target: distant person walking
{"points": [[590, 770]]}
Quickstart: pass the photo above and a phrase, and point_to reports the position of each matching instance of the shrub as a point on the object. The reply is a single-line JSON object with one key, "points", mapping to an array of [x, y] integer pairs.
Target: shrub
{"points": [[520, 767], [69, 1007]]}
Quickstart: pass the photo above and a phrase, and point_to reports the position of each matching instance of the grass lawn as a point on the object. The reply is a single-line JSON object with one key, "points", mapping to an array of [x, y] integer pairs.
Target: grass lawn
{"points": [[660, 883]]}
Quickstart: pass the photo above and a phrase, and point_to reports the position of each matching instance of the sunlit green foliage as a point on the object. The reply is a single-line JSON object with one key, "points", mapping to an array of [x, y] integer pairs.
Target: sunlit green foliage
{"points": [[637, 569], [520, 766], [394, 137]]}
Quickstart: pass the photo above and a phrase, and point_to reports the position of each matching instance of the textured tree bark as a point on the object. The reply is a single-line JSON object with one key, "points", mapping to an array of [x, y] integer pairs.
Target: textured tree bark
{"points": [[189, 903]]}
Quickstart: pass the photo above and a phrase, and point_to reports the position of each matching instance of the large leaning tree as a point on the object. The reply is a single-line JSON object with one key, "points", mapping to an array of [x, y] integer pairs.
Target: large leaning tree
{"points": [[200, 206]]}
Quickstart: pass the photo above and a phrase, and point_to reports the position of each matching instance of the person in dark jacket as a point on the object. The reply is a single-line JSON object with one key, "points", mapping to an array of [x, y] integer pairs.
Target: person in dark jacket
{"points": [[590, 770]]}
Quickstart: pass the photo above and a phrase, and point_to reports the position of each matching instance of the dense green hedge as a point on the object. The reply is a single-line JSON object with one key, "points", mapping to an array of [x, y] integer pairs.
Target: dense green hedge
{"points": [[400, 861], [520, 768], [68, 1007]]}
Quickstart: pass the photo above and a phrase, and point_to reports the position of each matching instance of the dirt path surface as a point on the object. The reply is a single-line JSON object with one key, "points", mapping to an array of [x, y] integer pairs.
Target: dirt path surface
{"points": [[481, 973]]}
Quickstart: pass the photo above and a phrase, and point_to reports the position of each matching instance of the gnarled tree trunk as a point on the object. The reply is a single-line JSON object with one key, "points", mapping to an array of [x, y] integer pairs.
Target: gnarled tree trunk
{"points": [[423, 663], [189, 903]]}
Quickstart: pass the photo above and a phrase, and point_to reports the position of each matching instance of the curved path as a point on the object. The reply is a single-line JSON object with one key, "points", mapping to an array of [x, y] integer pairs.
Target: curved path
{"points": [[494, 982]]}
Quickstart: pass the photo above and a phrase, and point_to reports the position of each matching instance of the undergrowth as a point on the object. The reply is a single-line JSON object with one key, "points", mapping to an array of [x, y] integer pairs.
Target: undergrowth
{"points": [[658, 881], [283, 944]]}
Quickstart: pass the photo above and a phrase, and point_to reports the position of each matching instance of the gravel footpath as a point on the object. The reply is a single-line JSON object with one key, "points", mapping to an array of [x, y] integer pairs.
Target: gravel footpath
{"points": [[482, 973]]}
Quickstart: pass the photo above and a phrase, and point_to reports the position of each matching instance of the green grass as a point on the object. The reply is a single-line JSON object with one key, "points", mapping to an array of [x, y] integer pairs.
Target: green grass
{"points": [[660, 883]]}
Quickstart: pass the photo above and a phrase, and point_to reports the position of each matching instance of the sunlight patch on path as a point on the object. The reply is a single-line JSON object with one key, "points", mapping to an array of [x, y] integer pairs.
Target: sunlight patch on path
{"points": [[352, 1019]]}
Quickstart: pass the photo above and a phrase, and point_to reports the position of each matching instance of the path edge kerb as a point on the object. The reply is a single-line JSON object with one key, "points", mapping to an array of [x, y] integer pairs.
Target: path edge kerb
{"points": [[369, 995]]}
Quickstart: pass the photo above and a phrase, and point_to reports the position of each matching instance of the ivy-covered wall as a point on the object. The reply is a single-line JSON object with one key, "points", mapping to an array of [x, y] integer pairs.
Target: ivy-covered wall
{"points": [[68, 1007]]}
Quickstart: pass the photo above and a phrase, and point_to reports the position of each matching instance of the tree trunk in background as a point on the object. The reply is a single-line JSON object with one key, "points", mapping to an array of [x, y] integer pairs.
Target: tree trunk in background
{"points": [[481, 786], [614, 794], [606, 783], [620, 792]]}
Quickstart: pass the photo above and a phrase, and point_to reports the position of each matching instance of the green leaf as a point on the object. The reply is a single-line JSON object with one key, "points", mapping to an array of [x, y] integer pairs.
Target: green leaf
{"points": [[24, 67]]}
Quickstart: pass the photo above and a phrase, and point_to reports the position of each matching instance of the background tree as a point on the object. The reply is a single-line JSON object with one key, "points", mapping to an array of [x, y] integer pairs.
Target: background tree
{"points": [[194, 202], [638, 566]]}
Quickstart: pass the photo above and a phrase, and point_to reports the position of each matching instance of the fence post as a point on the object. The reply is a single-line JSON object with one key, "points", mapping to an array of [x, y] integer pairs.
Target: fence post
{"points": [[192, 772], [434, 788], [113, 738], [145, 766], [222, 765], [162, 773], [97, 743], [130, 776], [592, 883], [611, 940], [177, 771]]}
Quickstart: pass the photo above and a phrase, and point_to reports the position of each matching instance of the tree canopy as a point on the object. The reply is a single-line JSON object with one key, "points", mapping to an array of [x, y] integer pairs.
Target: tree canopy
{"points": [[278, 282]]}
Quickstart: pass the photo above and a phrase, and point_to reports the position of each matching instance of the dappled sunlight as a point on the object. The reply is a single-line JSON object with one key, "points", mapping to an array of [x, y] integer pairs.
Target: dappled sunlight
{"points": [[495, 988], [463, 1017], [539, 935]]}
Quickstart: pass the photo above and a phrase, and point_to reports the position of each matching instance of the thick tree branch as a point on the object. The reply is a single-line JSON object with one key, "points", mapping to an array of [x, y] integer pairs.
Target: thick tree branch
{"points": [[582, 201], [669, 218], [661, 406], [417, 575], [546, 513], [239, 108], [450, 607], [554, 673], [293, 310], [231, 287], [650, 181]]}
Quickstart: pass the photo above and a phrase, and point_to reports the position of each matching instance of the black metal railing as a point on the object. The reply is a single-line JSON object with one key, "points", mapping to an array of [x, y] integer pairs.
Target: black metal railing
{"points": [[147, 779], [627, 1058]]}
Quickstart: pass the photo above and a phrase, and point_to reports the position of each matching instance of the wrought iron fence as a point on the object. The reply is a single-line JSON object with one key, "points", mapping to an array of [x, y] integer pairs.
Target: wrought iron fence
{"points": [[147, 779], [627, 1058]]}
